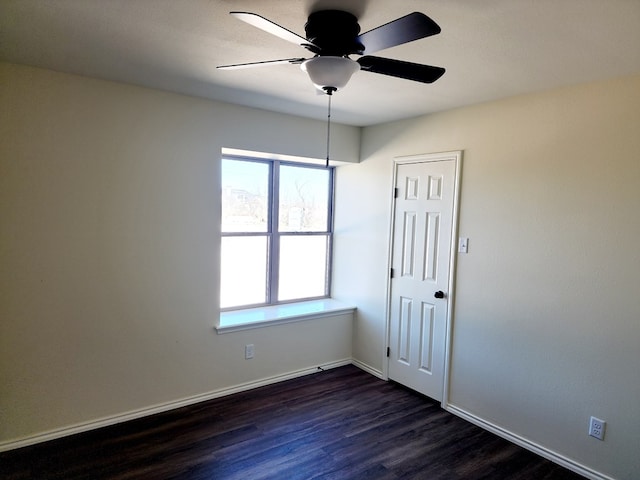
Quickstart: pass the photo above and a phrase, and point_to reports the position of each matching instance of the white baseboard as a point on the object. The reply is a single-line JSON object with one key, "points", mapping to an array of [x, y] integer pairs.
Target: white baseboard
{"points": [[163, 407], [368, 369], [527, 444]]}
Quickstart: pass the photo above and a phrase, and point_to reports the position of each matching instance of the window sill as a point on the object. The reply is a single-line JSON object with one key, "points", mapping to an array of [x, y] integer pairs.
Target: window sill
{"points": [[280, 314]]}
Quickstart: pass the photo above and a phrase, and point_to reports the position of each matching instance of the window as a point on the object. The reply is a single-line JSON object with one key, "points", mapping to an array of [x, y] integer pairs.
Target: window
{"points": [[276, 232]]}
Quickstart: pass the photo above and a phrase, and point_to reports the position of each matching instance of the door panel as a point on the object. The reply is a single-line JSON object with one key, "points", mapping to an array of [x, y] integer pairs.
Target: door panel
{"points": [[432, 236], [422, 230]]}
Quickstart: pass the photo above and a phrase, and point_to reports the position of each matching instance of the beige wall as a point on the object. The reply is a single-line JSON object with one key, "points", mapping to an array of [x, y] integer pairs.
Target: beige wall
{"points": [[547, 319], [109, 211]]}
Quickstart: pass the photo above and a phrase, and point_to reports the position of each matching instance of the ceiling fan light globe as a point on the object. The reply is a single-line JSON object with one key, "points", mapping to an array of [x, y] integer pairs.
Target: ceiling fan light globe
{"points": [[330, 72]]}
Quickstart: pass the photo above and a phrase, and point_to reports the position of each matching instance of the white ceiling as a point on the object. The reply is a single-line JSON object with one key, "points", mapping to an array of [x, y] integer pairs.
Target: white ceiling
{"points": [[490, 48]]}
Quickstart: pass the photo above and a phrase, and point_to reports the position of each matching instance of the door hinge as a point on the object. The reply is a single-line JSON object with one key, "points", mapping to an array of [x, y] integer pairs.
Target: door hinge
{"points": [[396, 192], [391, 273], [388, 352]]}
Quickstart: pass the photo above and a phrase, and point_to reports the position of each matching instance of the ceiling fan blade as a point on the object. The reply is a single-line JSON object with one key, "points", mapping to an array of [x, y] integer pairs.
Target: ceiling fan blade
{"points": [[406, 29], [401, 69], [272, 28], [239, 66]]}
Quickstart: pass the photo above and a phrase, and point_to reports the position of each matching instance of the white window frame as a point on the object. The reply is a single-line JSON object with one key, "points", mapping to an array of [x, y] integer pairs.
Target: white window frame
{"points": [[273, 235]]}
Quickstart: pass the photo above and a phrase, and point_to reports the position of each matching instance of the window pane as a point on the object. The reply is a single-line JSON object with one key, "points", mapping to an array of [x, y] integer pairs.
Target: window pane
{"points": [[303, 267], [304, 199], [243, 271], [245, 190]]}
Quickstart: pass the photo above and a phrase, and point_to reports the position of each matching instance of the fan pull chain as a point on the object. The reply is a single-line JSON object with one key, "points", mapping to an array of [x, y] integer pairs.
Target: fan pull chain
{"points": [[329, 91]]}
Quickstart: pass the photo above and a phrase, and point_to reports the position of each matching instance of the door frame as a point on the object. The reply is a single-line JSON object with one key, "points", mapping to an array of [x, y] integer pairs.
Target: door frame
{"points": [[456, 157]]}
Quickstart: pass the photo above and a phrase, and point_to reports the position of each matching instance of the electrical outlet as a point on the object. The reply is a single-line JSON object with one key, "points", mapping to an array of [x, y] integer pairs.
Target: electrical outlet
{"points": [[248, 351], [597, 427]]}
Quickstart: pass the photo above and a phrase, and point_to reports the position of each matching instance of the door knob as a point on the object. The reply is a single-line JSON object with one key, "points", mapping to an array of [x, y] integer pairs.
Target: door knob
{"points": [[439, 294]]}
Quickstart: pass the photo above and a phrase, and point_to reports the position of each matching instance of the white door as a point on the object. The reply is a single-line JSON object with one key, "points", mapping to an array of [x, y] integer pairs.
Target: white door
{"points": [[420, 261]]}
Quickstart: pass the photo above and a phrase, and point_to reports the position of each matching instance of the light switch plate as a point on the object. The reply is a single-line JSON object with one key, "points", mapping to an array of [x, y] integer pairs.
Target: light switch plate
{"points": [[463, 245]]}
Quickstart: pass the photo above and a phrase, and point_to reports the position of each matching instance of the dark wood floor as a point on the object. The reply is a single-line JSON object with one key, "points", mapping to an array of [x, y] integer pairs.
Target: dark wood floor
{"points": [[338, 424]]}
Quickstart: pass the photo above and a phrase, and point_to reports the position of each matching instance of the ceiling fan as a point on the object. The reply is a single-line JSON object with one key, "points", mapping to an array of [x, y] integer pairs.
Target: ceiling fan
{"points": [[333, 35]]}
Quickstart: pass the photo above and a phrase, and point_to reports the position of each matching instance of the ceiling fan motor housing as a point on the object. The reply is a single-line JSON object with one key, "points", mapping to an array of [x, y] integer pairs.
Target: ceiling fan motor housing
{"points": [[334, 33]]}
